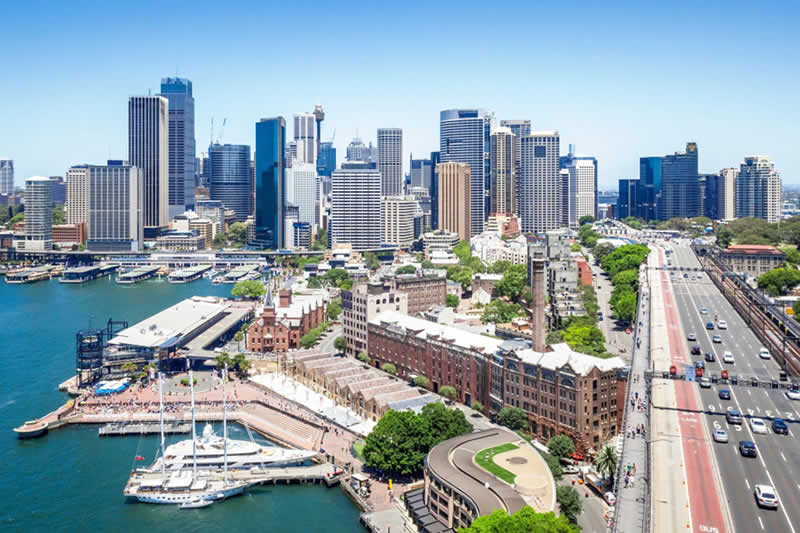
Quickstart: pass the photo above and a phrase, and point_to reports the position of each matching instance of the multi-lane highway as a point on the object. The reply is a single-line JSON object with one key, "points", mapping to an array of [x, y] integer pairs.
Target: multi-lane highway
{"points": [[778, 461]]}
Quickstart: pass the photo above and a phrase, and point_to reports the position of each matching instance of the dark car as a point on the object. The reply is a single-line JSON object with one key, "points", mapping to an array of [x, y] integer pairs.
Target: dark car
{"points": [[709, 325], [747, 448], [699, 365], [780, 427], [710, 357], [724, 394], [695, 350]]}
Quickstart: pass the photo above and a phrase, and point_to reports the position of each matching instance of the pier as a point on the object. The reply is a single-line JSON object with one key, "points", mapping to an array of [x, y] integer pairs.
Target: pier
{"points": [[29, 275], [124, 429], [138, 274], [238, 274], [87, 273], [189, 274]]}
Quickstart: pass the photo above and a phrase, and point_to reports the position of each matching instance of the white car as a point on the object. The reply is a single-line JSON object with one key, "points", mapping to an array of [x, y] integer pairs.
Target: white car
{"points": [[758, 426], [763, 353], [766, 496], [720, 435], [722, 324], [793, 394], [727, 357]]}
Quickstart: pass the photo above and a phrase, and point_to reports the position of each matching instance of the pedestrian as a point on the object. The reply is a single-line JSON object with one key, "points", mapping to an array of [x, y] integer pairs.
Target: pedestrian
{"points": [[633, 468]]}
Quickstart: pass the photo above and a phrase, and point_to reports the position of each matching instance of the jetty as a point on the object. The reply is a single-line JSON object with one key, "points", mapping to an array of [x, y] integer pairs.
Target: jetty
{"points": [[189, 274], [138, 274], [87, 273], [29, 275], [124, 429], [238, 274]]}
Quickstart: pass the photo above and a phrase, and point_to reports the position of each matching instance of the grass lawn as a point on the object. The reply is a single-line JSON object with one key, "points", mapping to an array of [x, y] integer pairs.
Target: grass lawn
{"points": [[485, 459]]}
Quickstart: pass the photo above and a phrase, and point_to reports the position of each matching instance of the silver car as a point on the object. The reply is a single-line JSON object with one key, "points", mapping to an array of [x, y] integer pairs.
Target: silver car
{"points": [[720, 435]]}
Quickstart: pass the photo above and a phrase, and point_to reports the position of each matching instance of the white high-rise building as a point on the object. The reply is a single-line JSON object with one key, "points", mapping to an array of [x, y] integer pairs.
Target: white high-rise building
{"points": [[758, 189], [726, 193], [290, 217], [116, 193], [540, 196], [302, 189], [356, 206], [148, 150], [38, 214], [76, 207], [397, 217], [581, 193], [6, 176], [503, 176], [390, 160], [305, 138], [357, 150]]}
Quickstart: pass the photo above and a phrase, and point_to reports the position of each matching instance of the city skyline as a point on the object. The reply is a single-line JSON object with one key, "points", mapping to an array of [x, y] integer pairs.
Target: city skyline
{"points": [[631, 101]]}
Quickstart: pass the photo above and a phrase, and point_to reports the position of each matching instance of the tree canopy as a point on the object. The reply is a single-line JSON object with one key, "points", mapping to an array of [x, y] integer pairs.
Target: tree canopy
{"points": [[560, 446], [321, 240], [513, 418], [569, 502], [250, 289], [460, 274], [422, 381], [602, 250], [626, 257], [452, 300], [586, 219], [389, 368], [340, 344], [514, 280], [501, 312], [526, 520], [499, 267], [448, 392], [334, 309], [778, 280], [406, 269], [373, 262], [237, 233]]}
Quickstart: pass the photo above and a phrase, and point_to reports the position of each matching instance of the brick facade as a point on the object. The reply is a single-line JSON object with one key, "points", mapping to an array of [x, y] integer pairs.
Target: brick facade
{"points": [[279, 328]]}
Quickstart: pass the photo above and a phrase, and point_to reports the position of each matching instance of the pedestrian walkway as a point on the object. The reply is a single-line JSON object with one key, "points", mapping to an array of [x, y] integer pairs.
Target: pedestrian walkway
{"points": [[632, 472]]}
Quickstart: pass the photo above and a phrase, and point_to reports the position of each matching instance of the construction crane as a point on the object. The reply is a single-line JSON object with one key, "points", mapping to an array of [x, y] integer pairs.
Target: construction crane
{"points": [[221, 131]]}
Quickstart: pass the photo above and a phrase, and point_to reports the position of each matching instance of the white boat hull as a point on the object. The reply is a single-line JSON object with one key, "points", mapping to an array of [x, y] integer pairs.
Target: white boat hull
{"points": [[168, 498]]}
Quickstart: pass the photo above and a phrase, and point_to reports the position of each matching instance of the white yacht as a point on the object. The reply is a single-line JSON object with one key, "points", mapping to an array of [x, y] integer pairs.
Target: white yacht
{"points": [[180, 488], [209, 448]]}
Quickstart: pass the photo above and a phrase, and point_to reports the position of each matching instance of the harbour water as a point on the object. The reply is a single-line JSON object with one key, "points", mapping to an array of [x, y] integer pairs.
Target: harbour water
{"points": [[71, 480]]}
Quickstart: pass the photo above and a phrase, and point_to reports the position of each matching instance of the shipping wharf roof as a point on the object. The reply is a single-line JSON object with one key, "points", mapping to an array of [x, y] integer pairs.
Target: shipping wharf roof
{"points": [[172, 324]]}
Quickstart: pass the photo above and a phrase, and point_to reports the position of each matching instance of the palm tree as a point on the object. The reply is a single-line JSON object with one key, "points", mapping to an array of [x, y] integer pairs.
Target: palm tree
{"points": [[129, 367], [242, 365], [606, 462]]}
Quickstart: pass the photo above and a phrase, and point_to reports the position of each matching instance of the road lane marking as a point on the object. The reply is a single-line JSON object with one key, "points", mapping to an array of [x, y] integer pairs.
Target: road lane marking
{"points": [[747, 483], [783, 457], [760, 523]]}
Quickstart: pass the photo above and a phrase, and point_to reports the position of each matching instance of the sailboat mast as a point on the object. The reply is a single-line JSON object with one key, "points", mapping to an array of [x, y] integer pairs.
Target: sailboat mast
{"points": [[161, 424], [225, 423], [194, 433]]}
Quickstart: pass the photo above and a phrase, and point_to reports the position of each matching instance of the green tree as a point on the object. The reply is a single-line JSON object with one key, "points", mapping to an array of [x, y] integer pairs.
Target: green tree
{"points": [[337, 276], [554, 337], [606, 462], [315, 282], [242, 365], [238, 337], [463, 251], [624, 307], [513, 282], [237, 233], [363, 357], [406, 269], [586, 339], [340, 344], [724, 236], [553, 464], [452, 300], [223, 359], [626, 257], [19, 217], [346, 285], [602, 250], [628, 278], [560, 446], [589, 300], [250, 289], [427, 265], [499, 267], [219, 241], [422, 381], [321, 240], [448, 392], [796, 309], [513, 418], [58, 215], [526, 520], [460, 274], [778, 280], [586, 219], [443, 423], [792, 256], [334, 309], [310, 338], [569, 502], [129, 367], [389, 368], [501, 312], [477, 406], [576, 247], [398, 444], [372, 260]]}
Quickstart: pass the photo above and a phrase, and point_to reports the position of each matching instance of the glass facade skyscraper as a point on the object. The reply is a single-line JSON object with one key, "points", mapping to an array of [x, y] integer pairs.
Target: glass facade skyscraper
{"points": [[326, 163], [680, 187], [6, 176], [270, 182], [649, 193], [229, 175], [178, 92]]}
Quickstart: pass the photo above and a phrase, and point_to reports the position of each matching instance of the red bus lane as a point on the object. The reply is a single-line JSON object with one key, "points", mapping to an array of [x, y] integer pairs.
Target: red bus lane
{"points": [[704, 502]]}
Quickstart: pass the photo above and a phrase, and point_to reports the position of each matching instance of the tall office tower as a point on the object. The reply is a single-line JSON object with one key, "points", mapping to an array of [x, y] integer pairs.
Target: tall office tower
{"points": [[397, 217], [726, 194], [503, 174], [38, 214], [356, 205], [116, 193], [230, 177], [434, 189], [520, 129], [455, 198], [326, 162], [539, 200], [649, 193], [6, 176], [708, 185], [252, 207], [59, 190], [758, 189], [302, 188], [178, 92], [680, 188], [76, 208], [390, 160], [148, 150], [421, 172], [289, 154], [319, 116], [305, 137], [582, 185], [270, 183], [628, 199], [564, 194], [464, 138], [357, 150], [289, 220], [422, 196]]}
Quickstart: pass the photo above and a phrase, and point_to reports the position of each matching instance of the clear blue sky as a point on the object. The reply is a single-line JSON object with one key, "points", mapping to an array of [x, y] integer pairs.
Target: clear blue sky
{"points": [[620, 81]]}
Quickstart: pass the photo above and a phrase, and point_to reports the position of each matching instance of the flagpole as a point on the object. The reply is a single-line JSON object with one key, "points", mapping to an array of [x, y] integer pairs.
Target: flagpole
{"points": [[194, 433], [225, 423], [161, 425]]}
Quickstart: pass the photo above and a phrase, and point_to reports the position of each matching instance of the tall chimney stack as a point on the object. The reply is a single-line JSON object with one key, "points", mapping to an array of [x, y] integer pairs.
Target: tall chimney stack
{"points": [[536, 265]]}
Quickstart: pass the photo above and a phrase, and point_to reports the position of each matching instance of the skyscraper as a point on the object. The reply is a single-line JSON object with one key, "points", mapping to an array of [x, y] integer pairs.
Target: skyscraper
{"points": [[397, 216], [356, 205], [357, 150], [455, 198], [38, 214], [302, 187], [270, 182], [503, 174], [230, 177], [178, 92], [148, 150], [326, 163], [648, 197], [628, 199], [6, 176], [464, 138], [680, 187], [421, 172], [520, 129], [76, 208], [390, 160], [305, 137], [758, 189], [540, 185], [434, 190], [114, 211], [726, 193], [582, 198]]}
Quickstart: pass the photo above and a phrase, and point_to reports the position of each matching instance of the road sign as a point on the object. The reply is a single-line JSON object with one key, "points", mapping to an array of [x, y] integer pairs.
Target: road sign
{"points": [[690, 373]]}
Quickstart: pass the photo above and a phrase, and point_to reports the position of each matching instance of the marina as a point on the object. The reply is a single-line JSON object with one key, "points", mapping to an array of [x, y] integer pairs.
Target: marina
{"points": [[138, 274], [87, 273], [30, 275], [189, 274]]}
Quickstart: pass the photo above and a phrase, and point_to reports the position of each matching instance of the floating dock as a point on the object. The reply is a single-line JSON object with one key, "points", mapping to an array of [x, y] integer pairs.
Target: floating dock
{"points": [[189, 274], [239, 273], [137, 275], [123, 429], [29, 275], [87, 273]]}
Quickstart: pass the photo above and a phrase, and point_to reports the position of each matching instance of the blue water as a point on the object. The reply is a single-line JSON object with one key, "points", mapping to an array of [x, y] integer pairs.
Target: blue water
{"points": [[71, 480]]}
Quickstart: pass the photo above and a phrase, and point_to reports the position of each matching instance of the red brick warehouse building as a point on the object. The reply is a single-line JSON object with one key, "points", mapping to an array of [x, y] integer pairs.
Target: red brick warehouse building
{"points": [[277, 328]]}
